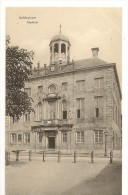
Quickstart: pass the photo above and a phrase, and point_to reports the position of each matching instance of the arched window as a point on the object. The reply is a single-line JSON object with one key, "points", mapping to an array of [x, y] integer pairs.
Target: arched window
{"points": [[64, 109], [56, 48], [51, 49], [63, 48], [52, 110]]}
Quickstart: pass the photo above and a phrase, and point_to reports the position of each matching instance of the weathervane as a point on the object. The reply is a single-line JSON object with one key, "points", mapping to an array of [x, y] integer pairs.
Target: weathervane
{"points": [[60, 29]]}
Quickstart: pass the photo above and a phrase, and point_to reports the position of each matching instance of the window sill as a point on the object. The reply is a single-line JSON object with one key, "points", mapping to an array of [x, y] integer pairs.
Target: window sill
{"points": [[80, 142], [98, 142]]}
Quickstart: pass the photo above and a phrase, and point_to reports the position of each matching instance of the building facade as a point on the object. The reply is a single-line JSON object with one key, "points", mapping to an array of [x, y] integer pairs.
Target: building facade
{"points": [[77, 104]]}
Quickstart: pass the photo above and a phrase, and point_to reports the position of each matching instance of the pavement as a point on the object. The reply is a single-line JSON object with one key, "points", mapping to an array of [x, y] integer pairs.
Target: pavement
{"points": [[64, 178]]}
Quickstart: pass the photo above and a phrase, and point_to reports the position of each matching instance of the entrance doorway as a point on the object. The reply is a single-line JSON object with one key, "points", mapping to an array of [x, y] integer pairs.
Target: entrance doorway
{"points": [[51, 141]]}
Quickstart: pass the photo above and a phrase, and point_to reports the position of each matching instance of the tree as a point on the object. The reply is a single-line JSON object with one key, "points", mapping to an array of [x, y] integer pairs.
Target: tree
{"points": [[18, 68]]}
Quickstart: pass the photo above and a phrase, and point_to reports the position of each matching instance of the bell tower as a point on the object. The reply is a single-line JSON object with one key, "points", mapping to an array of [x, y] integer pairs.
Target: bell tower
{"points": [[59, 49]]}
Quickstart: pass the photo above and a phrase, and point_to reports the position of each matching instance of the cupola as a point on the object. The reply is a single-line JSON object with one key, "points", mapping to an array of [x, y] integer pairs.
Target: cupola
{"points": [[59, 49]]}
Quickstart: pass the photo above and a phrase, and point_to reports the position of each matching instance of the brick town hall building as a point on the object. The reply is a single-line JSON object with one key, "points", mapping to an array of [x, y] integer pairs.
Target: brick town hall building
{"points": [[77, 104]]}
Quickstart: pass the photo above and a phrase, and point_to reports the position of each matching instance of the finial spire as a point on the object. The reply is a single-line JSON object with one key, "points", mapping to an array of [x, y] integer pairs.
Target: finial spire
{"points": [[60, 29]]}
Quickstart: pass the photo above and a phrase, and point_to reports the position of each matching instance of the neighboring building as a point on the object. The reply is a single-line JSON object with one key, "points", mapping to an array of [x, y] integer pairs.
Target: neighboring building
{"points": [[76, 103]]}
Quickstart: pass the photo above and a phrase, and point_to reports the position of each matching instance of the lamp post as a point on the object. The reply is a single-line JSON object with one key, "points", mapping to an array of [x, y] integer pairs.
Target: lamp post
{"points": [[105, 133]]}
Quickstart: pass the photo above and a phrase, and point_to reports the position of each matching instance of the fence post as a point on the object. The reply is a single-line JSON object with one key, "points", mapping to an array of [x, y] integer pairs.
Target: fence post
{"points": [[30, 155], [43, 156], [111, 156], [59, 155], [92, 157], [7, 158], [17, 155], [75, 156]]}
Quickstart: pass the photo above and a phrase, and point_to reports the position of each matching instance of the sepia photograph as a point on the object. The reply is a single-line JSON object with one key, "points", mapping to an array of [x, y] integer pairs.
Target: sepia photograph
{"points": [[63, 118]]}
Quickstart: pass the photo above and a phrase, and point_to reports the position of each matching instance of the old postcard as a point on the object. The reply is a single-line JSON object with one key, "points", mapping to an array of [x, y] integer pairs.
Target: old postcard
{"points": [[63, 132]]}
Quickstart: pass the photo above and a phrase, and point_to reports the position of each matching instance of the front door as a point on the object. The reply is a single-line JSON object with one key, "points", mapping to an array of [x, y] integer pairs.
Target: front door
{"points": [[51, 141]]}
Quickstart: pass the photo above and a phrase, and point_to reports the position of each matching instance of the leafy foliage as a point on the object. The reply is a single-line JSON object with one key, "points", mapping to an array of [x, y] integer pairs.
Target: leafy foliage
{"points": [[18, 69]]}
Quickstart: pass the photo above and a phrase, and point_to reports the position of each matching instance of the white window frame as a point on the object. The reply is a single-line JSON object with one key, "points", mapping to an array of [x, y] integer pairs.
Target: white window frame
{"points": [[26, 138], [82, 139], [13, 141], [98, 131], [79, 101], [64, 137]]}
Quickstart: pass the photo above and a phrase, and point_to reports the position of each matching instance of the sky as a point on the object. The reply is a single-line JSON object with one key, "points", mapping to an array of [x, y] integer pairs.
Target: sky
{"points": [[85, 27]]}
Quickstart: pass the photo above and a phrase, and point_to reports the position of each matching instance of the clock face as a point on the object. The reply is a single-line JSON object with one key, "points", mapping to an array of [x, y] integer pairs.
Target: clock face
{"points": [[52, 68]]}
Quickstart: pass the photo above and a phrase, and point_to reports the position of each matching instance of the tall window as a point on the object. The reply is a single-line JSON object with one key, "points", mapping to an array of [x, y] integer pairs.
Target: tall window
{"points": [[98, 106], [64, 109], [26, 137], [26, 117], [64, 86], [63, 48], [28, 91], [56, 48], [80, 85], [80, 107], [40, 136], [40, 111], [98, 136], [80, 136], [64, 136], [40, 90], [19, 138], [52, 110], [99, 82], [13, 138]]}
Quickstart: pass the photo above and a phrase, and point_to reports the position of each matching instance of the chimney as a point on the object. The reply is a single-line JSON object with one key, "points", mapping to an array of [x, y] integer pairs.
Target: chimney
{"points": [[95, 52]]}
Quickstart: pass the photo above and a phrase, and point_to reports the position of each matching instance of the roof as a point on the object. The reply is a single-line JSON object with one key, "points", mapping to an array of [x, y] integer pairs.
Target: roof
{"points": [[60, 37], [89, 63]]}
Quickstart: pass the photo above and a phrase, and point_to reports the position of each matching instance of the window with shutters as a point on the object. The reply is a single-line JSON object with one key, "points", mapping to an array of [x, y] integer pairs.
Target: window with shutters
{"points": [[80, 137], [80, 107], [98, 136], [98, 106], [64, 109]]}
